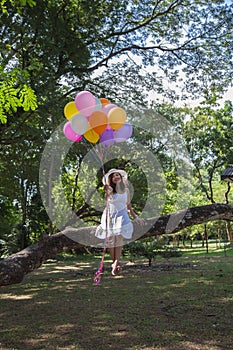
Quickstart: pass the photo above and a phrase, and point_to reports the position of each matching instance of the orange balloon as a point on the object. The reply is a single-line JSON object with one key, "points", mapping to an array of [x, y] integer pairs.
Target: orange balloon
{"points": [[70, 110], [90, 135], [98, 121], [116, 117], [104, 101]]}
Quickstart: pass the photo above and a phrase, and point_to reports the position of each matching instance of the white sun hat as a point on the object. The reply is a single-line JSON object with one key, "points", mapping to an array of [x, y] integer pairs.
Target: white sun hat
{"points": [[123, 173]]}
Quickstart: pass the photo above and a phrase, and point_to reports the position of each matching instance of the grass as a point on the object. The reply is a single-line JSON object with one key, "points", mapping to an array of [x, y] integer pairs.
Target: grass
{"points": [[182, 303], [215, 248]]}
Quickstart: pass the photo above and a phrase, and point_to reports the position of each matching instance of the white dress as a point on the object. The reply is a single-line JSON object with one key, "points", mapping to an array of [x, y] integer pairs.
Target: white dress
{"points": [[118, 221]]}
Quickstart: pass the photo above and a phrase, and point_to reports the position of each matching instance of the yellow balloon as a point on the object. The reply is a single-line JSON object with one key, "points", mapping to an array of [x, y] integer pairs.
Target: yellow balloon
{"points": [[90, 135], [116, 117], [70, 110]]}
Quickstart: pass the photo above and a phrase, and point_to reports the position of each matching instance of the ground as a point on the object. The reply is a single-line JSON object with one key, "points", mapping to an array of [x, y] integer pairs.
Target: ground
{"points": [[183, 303]]}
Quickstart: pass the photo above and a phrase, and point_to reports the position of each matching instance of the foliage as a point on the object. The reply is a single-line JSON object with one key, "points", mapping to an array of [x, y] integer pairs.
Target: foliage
{"points": [[15, 93], [149, 249], [17, 4], [168, 35], [9, 239], [208, 135], [127, 51]]}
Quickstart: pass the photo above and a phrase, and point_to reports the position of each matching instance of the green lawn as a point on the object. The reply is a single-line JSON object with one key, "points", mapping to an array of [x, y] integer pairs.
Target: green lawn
{"points": [[181, 303], [215, 248]]}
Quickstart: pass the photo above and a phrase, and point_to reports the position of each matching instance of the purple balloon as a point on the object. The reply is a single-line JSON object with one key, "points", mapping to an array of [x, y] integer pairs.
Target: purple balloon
{"points": [[123, 133], [70, 134], [106, 138], [108, 108]]}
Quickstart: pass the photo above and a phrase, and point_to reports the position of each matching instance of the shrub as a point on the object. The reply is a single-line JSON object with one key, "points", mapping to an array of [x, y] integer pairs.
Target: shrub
{"points": [[149, 249]]}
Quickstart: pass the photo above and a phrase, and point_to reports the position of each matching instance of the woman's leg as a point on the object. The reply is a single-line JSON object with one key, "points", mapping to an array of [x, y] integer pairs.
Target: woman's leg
{"points": [[115, 253], [112, 253], [118, 248]]}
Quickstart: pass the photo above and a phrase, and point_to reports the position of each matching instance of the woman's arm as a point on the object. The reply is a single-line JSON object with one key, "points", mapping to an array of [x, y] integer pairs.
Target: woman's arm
{"points": [[108, 189], [128, 205], [131, 211]]}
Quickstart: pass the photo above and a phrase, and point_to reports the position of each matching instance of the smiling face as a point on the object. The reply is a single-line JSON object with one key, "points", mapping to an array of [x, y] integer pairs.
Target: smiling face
{"points": [[116, 178]]}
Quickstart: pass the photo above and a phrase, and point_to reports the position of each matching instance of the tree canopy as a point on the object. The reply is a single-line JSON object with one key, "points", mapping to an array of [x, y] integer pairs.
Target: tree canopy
{"points": [[129, 52], [59, 44]]}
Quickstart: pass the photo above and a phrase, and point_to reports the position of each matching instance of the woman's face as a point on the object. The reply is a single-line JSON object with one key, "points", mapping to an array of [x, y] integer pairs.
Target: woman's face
{"points": [[116, 178]]}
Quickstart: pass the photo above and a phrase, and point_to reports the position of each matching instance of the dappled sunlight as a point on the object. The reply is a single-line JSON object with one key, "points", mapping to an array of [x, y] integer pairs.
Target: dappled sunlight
{"points": [[161, 308], [226, 300], [120, 331], [118, 277], [175, 334], [44, 338], [192, 345], [206, 281], [41, 302], [71, 269], [78, 267], [16, 297], [63, 327]]}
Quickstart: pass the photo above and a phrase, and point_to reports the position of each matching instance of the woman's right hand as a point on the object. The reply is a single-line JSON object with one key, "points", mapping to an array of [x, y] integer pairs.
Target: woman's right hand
{"points": [[108, 189]]}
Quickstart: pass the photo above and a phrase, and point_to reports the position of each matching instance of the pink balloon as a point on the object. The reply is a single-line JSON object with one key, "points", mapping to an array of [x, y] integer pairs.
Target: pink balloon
{"points": [[108, 108], [85, 102], [70, 134]]}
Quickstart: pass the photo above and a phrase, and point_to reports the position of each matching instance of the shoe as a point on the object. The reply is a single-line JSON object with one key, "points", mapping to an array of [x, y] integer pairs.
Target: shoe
{"points": [[116, 269]]}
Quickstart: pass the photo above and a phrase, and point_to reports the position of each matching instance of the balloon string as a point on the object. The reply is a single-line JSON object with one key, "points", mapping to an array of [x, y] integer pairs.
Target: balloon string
{"points": [[99, 153], [92, 150], [99, 272]]}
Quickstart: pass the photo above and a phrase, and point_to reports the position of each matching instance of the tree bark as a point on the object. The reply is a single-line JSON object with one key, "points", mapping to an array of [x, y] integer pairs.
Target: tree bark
{"points": [[15, 267], [229, 233]]}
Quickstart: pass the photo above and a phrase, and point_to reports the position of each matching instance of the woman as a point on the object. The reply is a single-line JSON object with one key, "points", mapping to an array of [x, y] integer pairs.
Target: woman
{"points": [[115, 222]]}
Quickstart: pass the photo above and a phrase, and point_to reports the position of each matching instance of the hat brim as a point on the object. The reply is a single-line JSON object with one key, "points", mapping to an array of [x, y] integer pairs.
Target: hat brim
{"points": [[123, 173]]}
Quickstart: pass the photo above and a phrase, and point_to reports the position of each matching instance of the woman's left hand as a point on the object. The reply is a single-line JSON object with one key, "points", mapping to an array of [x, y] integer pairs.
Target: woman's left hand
{"points": [[139, 221]]}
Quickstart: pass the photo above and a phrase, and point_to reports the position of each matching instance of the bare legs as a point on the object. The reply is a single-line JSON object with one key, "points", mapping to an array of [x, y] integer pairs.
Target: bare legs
{"points": [[115, 250]]}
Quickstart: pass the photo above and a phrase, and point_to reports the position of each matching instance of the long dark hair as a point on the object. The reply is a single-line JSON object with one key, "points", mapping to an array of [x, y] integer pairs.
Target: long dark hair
{"points": [[121, 184]]}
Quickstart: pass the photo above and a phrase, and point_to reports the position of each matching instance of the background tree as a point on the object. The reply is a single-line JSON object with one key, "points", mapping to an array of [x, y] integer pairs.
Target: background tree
{"points": [[208, 134], [50, 50]]}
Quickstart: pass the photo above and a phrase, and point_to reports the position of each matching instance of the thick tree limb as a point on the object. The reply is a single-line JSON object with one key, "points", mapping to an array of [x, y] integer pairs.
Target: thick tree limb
{"points": [[15, 267]]}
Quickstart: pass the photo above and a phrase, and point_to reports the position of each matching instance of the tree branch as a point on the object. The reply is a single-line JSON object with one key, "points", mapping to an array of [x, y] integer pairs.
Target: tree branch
{"points": [[15, 267]]}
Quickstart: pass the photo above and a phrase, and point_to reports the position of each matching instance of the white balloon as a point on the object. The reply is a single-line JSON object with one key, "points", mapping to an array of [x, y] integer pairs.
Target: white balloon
{"points": [[79, 124]]}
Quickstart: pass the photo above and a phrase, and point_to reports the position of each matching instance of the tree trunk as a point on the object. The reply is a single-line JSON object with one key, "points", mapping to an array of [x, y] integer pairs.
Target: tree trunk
{"points": [[15, 267], [191, 242], [24, 188], [203, 239], [206, 239], [227, 192], [183, 240], [229, 233]]}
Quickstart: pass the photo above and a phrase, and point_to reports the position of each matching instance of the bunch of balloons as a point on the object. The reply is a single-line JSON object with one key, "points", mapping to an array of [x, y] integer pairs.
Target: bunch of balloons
{"points": [[96, 120]]}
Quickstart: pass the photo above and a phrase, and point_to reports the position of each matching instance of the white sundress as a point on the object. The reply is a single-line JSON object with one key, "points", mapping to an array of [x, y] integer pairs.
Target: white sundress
{"points": [[118, 220]]}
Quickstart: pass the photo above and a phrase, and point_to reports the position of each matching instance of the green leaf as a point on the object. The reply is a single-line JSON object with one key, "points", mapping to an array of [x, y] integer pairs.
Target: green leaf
{"points": [[27, 98]]}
